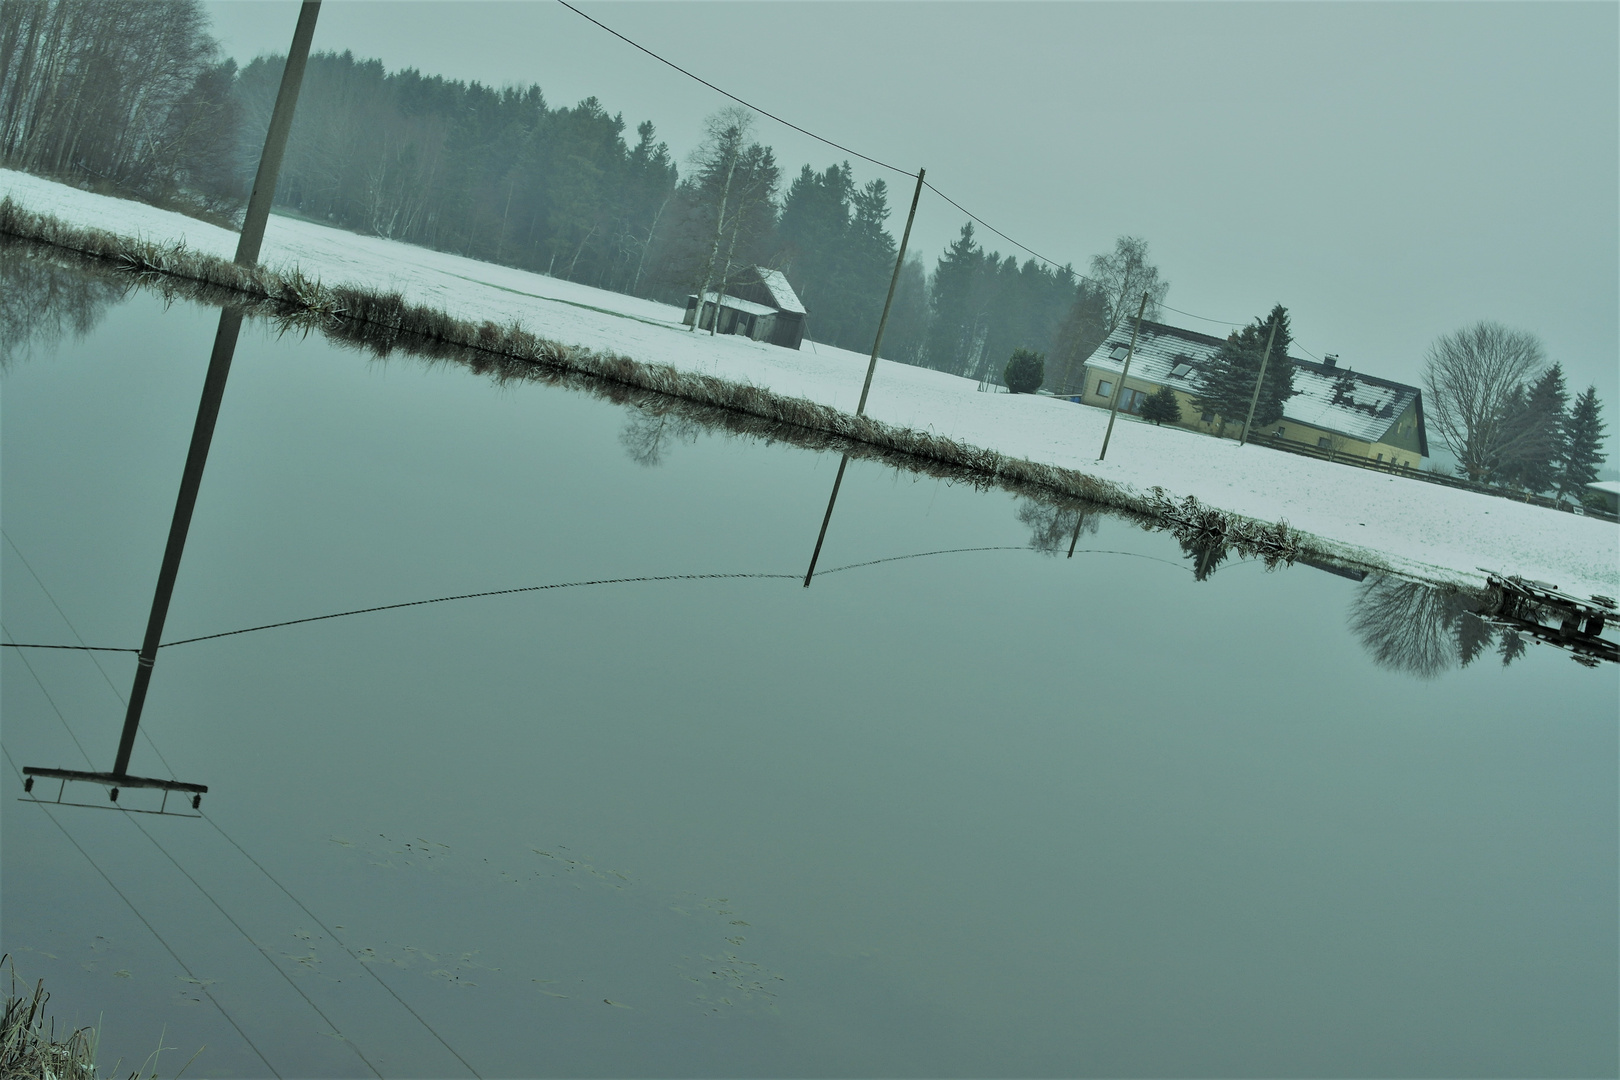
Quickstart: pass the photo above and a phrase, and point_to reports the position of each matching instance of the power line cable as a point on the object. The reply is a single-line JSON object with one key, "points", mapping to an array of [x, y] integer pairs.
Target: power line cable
{"points": [[150, 928], [86, 648], [52, 702], [734, 97], [329, 933], [544, 588], [172, 859], [1053, 263], [261, 949], [473, 596], [218, 828]]}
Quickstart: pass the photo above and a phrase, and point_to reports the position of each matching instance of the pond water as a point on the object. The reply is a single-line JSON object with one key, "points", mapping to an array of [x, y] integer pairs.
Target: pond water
{"points": [[995, 811]]}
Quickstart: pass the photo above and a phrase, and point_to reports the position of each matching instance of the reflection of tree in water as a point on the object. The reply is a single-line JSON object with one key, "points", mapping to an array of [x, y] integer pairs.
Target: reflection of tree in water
{"points": [[647, 435], [1052, 528], [1206, 553], [1422, 630], [40, 300]]}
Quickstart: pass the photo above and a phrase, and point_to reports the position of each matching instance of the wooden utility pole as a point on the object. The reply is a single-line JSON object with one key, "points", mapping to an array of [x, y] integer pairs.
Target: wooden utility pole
{"points": [[275, 140], [866, 387], [1255, 400], [899, 261], [219, 369], [1119, 391]]}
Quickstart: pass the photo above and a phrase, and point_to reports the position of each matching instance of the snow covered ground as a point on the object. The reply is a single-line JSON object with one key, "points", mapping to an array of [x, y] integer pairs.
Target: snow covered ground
{"points": [[1415, 528]]}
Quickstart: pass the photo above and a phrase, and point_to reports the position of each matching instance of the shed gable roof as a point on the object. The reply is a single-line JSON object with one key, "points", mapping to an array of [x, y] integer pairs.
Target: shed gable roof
{"points": [[782, 294]]}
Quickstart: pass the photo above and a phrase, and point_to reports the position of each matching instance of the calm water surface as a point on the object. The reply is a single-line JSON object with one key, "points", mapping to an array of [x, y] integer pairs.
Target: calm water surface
{"points": [[989, 813]]}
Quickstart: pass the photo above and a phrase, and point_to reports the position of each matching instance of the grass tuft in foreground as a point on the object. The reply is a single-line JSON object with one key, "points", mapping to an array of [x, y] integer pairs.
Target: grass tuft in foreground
{"points": [[29, 1048]]}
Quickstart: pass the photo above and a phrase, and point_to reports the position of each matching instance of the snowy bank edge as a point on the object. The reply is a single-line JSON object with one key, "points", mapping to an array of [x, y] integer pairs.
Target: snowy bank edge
{"points": [[385, 320]]}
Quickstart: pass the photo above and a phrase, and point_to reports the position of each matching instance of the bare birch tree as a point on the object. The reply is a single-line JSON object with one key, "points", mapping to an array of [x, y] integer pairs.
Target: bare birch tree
{"points": [[1123, 276]]}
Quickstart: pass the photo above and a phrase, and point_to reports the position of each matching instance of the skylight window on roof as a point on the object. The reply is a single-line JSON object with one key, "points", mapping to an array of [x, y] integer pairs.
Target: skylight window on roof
{"points": [[1180, 371], [1118, 353]]}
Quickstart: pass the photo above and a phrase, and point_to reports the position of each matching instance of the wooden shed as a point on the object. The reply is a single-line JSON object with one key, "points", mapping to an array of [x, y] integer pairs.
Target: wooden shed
{"points": [[762, 306]]}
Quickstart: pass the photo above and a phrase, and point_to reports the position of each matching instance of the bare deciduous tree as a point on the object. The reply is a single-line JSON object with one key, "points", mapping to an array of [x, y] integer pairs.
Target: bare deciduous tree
{"points": [[1053, 528], [1471, 377], [1407, 625], [1123, 276]]}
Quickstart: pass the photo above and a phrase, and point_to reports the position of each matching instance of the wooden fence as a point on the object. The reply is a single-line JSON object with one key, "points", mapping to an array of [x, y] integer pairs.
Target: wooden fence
{"points": [[1324, 453]]}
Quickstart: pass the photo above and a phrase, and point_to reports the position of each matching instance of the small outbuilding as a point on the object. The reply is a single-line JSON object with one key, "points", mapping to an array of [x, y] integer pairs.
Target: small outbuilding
{"points": [[762, 306]]}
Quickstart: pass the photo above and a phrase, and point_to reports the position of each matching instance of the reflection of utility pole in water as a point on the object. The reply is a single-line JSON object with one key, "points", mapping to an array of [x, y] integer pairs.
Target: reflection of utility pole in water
{"points": [[871, 368], [202, 433]]}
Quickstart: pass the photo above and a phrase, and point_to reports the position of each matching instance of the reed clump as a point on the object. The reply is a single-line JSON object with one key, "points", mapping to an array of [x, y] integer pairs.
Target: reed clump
{"points": [[381, 322], [29, 1048]]}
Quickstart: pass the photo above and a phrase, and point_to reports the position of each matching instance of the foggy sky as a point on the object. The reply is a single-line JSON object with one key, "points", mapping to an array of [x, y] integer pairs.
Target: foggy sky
{"points": [[1390, 172]]}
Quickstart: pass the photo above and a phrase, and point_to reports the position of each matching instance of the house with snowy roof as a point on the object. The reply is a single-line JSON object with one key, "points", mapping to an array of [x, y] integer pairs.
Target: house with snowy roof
{"points": [[762, 305], [1333, 408]]}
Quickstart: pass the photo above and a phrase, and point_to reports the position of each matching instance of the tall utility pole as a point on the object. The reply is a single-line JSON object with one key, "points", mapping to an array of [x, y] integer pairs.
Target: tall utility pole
{"points": [[202, 432], [871, 367], [1255, 400], [899, 261], [1119, 391]]}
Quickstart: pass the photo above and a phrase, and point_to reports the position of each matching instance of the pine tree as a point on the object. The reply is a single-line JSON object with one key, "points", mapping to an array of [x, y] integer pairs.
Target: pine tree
{"points": [[1226, 383], [1510, 646], [1162, 406], [1583, 445], [956, 300], [1533, 433], [1084, 327], [1473, 635], [1025, 371]]}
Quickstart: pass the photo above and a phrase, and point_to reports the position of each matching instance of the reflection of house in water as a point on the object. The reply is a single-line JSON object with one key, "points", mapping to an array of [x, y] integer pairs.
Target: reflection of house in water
{"points": [[1333, 409], [762, 306]]}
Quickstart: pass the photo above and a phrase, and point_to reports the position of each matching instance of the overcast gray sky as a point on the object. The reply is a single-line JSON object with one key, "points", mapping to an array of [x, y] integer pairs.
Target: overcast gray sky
{"points": [[1390, 172]]}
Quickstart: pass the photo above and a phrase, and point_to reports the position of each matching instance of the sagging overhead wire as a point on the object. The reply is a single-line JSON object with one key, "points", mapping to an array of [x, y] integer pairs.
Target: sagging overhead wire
{"points": [[734, 97], [570, 585], [229, 839], [150, 928], [206, 894], [1053, 263]]}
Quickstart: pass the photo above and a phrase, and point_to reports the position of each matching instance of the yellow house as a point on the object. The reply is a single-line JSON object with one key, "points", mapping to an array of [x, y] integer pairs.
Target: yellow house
{"points": [[1335, 409]]}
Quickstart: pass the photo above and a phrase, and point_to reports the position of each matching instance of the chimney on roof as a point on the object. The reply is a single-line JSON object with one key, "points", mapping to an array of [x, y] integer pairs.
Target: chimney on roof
{"points": [[1330, 360]]}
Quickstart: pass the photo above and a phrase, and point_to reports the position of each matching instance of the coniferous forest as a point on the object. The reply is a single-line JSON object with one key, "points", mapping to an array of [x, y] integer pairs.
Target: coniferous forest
{"points": [[131, 97]]}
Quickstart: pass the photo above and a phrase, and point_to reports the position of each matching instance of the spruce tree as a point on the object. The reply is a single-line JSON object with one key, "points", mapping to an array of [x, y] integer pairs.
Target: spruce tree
{"points": [[1583, 444], [1025, 371], [1533, 433], [1226, 384], [1473, 635], [1162, 406]]}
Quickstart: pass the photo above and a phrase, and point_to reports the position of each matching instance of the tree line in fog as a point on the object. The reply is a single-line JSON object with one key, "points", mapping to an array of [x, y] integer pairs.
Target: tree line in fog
{"points": [[132, 97]]}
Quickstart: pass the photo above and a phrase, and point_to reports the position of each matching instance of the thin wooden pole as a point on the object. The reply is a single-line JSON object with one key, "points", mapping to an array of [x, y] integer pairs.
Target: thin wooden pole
{"points": [[1079, 520], [1255, 400], [1119, 391], [219, 369], [816, 555], [202, 435], [275, 140], [899, 261]]}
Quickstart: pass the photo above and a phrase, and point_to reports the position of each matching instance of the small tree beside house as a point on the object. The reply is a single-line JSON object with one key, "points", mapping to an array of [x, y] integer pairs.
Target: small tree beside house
{"points": [[1025, 371], [1162, 406]]}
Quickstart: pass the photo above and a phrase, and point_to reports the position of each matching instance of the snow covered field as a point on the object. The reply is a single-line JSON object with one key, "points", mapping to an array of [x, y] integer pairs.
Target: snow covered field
{"points": [[1415, 528]]}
